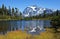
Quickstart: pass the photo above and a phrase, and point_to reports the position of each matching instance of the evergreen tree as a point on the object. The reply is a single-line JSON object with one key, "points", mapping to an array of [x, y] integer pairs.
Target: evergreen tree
{"points": [[16, 11], [9, 11], [44, 14], [12, 11], [57, 13], [0, 11], [20, 14], [55, 22], [3, 9]]}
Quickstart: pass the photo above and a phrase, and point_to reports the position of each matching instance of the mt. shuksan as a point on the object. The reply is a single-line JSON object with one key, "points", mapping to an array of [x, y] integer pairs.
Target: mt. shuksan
{"points": [[35, 10]]}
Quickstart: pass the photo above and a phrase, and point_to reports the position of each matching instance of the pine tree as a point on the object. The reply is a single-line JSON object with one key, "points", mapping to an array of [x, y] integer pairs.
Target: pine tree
{"points": [[0, 11], [9, 11], [12, 11], [16, 11], [57, 13], [44, 14], [3, 9]]}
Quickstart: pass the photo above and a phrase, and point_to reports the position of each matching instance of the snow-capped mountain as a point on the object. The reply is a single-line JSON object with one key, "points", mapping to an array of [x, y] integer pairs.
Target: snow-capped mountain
{"points": [[35, 10]]}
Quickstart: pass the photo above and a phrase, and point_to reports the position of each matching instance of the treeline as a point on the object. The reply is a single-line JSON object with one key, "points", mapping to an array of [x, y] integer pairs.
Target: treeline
{"points": [[44, 15], [9, 13], [14, 13], [55, 22]]}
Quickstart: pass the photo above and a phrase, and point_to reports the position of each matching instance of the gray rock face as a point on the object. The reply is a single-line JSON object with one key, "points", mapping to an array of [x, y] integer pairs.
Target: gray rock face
{"points": [[35, 10]]}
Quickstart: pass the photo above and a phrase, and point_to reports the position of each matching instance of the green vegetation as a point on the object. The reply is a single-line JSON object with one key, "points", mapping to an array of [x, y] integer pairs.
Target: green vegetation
{"points": [[48, 34], [55, 22], [44, 16], [10, 14], [15, 14]]}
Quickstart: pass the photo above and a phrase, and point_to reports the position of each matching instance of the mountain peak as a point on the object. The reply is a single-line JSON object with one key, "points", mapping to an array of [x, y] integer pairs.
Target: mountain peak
{"points": [[34, 10]]}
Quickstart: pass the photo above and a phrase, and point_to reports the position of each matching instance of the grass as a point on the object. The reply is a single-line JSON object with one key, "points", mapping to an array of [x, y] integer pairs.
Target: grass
{"points": [[15, 35], [6, 17], [48, 34]]}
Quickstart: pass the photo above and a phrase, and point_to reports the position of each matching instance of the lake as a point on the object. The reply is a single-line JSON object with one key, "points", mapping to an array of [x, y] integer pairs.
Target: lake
{"points": [[12, 25]]}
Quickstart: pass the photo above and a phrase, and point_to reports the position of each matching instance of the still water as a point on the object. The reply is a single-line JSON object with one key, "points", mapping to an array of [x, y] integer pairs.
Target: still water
{"points": [[22, 25]]}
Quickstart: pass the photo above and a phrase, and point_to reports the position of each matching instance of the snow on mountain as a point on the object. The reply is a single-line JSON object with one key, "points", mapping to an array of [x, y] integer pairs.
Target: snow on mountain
{"points": [[35, 10]]}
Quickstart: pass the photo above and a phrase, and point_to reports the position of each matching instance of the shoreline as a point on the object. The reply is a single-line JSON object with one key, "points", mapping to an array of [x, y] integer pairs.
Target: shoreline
{"points": [[22, 19]]}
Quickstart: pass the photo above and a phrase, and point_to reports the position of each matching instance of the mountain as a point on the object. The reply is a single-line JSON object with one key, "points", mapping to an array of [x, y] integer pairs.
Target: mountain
{"points": [[35, 10]]}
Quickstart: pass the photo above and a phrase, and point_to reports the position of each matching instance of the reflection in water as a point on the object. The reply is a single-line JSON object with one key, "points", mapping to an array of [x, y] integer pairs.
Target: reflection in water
{"points": [[22, 25]]}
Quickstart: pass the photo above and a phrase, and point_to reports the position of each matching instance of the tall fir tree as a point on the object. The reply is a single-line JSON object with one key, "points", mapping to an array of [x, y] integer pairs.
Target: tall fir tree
{"points": [[12, 11], [44, 14], [3, 9], [57, 12], [9, 11]]}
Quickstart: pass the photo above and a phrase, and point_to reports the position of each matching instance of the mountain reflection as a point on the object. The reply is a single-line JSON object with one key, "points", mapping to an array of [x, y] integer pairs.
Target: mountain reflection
{"points": [[6, 26]]}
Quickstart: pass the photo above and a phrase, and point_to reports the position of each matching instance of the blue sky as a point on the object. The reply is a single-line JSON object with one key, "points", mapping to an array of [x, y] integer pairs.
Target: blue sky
{"points": [[22, 4]]}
